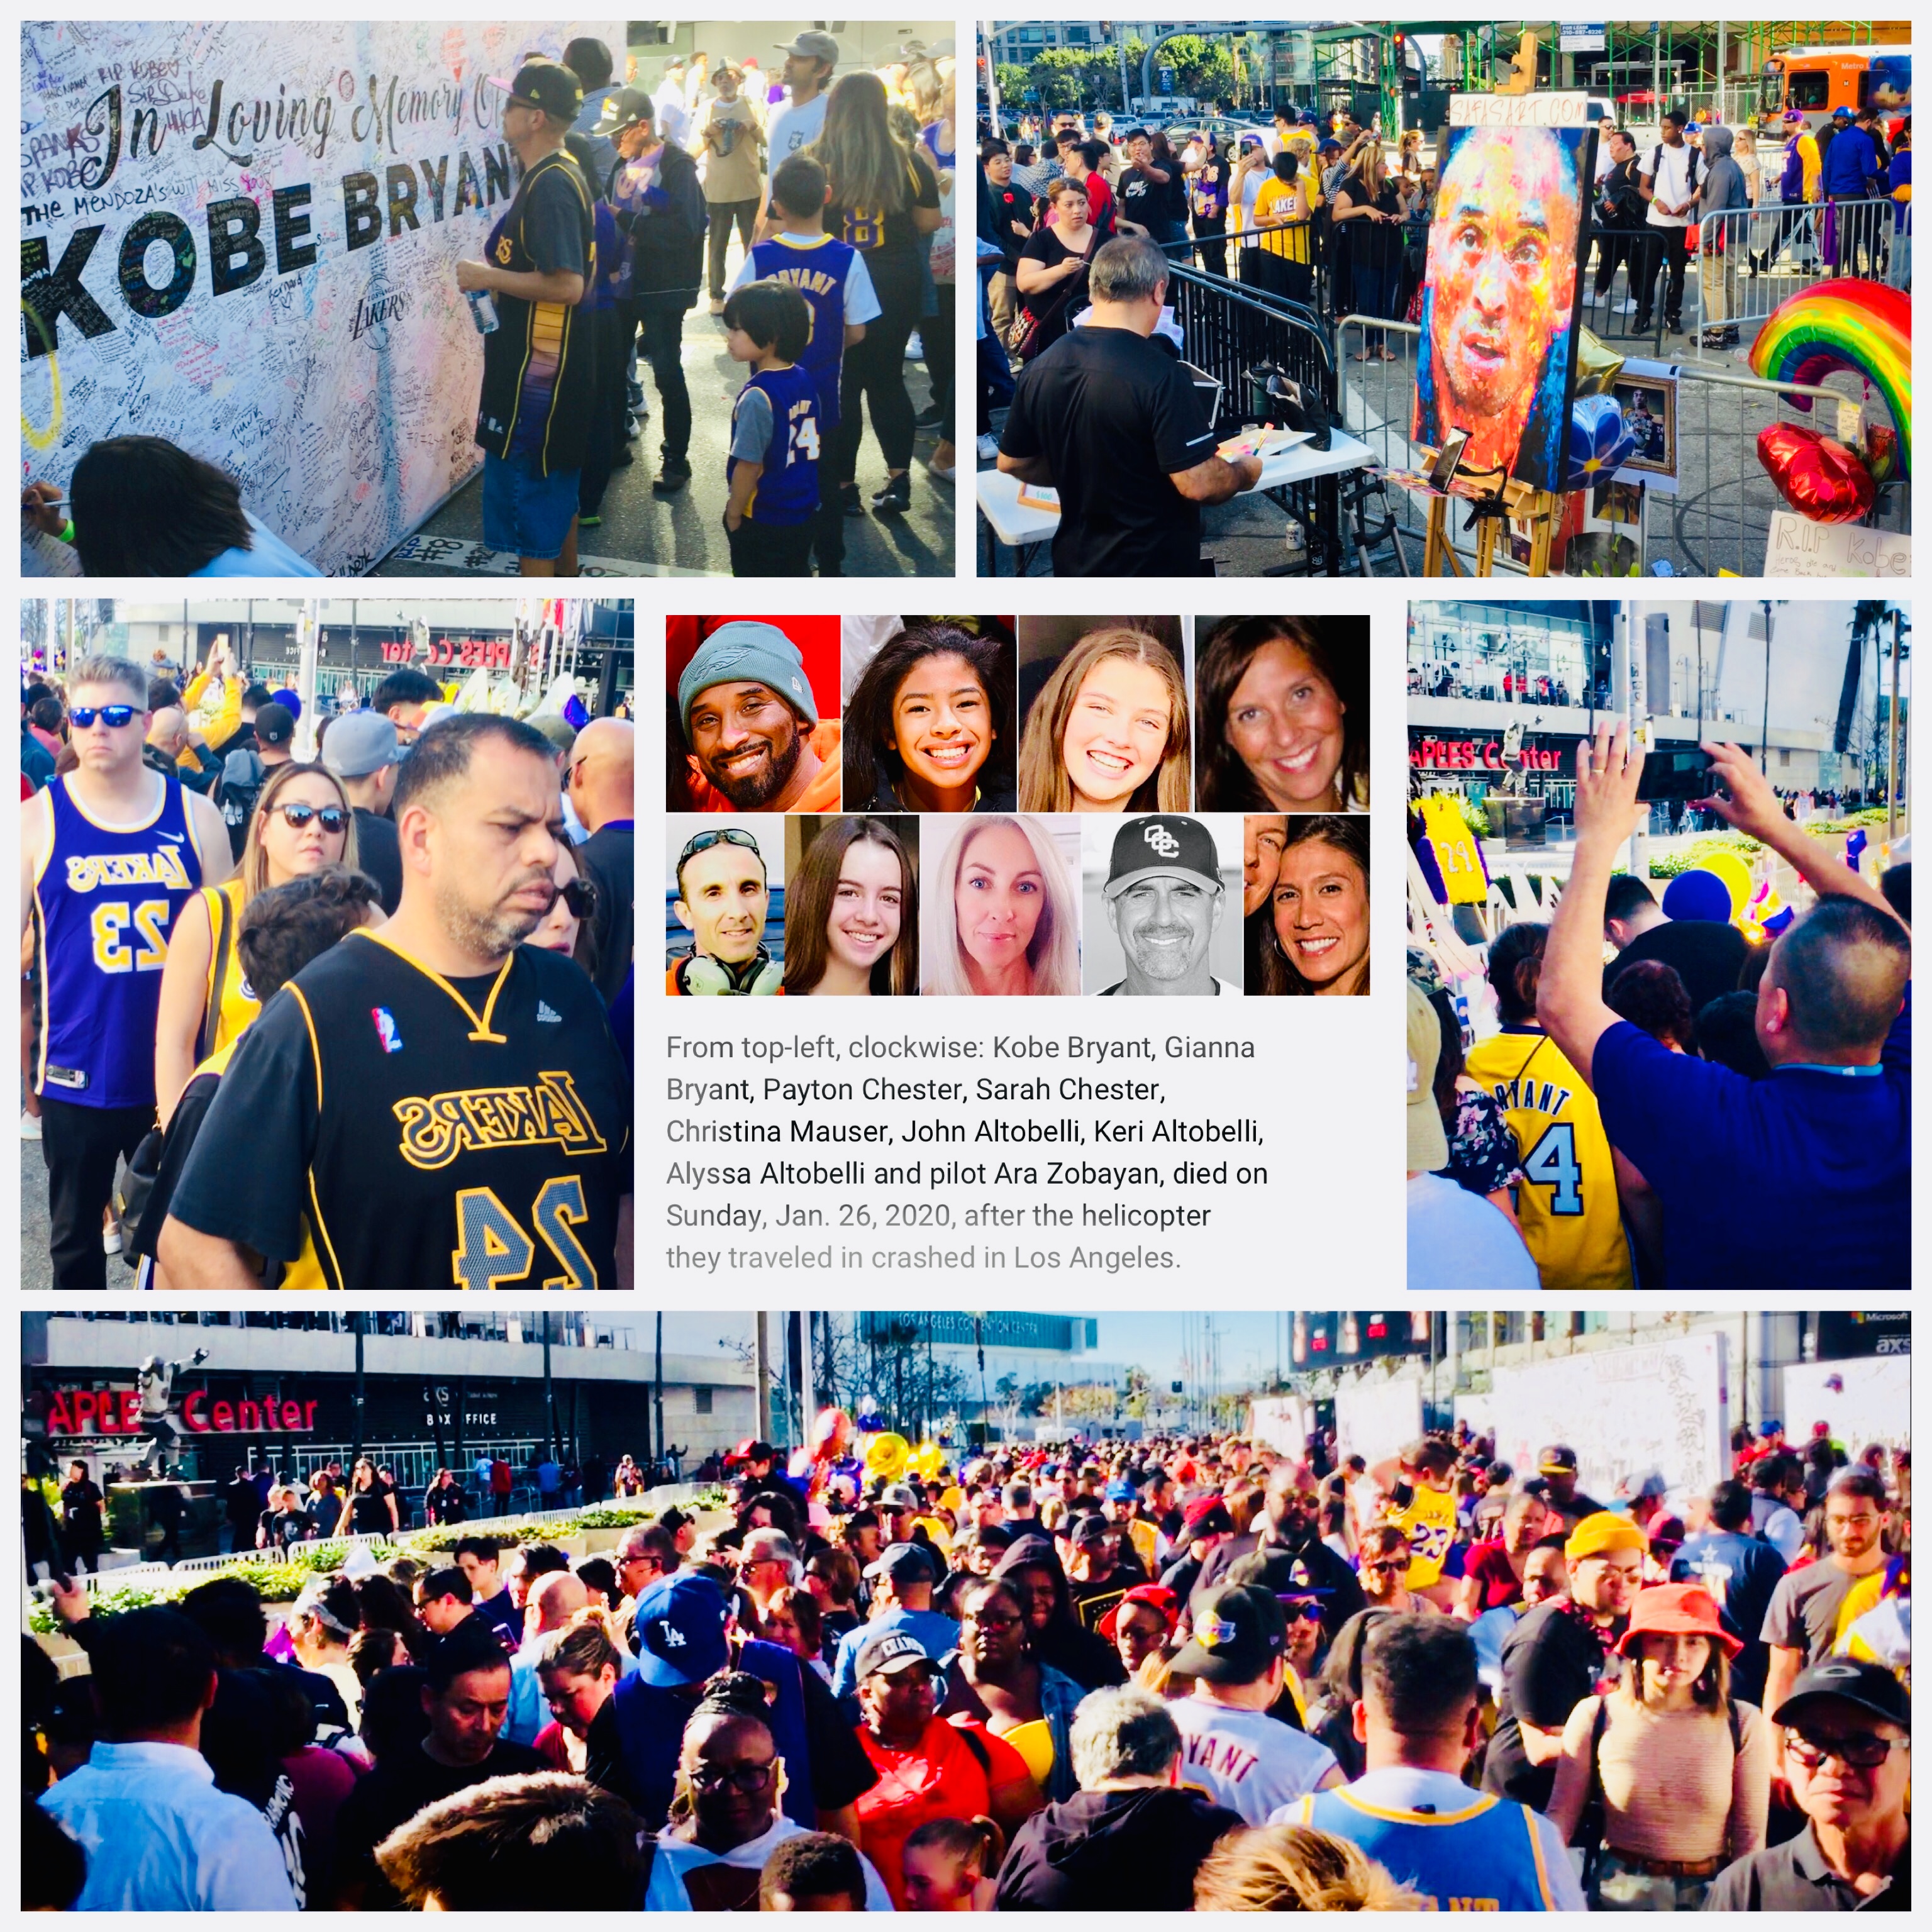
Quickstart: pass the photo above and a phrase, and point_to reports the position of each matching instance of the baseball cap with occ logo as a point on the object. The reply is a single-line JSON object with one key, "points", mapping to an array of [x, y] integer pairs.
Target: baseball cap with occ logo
{"points": [[1164, 845]]}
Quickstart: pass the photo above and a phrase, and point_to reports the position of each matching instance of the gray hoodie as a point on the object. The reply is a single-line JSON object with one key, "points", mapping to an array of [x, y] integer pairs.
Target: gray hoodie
{"points": [[1723, 184]]}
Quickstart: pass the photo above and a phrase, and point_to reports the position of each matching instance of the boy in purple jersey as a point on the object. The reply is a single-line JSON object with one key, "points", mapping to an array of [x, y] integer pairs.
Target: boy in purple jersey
{"points": [[772, 468], [109, 855], [832, 276]]}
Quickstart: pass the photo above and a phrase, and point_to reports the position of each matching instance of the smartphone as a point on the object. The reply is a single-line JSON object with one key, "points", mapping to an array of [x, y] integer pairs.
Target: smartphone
{"points": [[1683, 772], [1449, 459]]}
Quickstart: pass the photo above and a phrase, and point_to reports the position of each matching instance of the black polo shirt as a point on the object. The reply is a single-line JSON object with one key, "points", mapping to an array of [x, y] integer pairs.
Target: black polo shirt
{"points": [[1794, 1877], [1116, 416]]}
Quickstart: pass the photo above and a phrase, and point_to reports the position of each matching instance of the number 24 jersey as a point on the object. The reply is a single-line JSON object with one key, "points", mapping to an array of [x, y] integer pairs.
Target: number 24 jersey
{"points": [[470, 1134]]}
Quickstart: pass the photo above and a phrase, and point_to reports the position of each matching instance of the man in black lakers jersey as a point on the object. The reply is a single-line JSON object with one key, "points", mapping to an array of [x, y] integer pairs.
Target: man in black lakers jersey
{"points": [[441, 1106]]}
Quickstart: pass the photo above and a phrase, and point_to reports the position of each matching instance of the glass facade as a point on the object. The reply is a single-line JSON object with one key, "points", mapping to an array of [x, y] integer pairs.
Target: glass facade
{"points": [[1550, 654]]}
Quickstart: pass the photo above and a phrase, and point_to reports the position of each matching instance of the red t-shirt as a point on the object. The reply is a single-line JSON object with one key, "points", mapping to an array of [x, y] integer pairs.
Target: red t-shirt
{"points": [[1489, 1564], [940, 1777]]}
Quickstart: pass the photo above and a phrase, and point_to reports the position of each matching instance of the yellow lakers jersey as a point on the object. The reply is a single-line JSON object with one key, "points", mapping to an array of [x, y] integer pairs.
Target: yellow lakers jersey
{"points": [[1428, 1519], [239, 1007], [1458, 856], [1567, 1201]]}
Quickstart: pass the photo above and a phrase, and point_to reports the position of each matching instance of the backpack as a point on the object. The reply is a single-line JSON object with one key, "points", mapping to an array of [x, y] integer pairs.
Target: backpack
{"points": [[243, 776], [1657, 162]]}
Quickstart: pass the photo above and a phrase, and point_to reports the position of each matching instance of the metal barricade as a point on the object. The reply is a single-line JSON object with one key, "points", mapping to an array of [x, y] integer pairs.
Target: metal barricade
{"points": [[1750, 259], [1245, 260], [94, 1582], [1227, 328]]}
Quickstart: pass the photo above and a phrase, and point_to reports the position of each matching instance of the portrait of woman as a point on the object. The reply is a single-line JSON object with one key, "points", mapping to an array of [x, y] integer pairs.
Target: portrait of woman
{"points": [[930, 727], [1317, 938], [1001, 915], [1282, 712], [852, 911], [1108, 731]]}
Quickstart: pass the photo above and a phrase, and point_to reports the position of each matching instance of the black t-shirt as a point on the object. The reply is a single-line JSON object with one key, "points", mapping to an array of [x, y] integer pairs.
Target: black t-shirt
{"points": [[1373, 244], [886, 237], [436, 1133], [539, 369], [1141, 198], [392, 1794], [1054, 307], [80, 1509], [1708, 957], [368, 1511], [379, 853], [1095, 1597], [609, 856], [1012, 208], [1115, 416], [1550, 1663]]}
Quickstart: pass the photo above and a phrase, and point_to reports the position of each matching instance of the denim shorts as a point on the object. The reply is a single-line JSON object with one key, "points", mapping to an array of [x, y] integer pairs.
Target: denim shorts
{"points": [[526, 513]]}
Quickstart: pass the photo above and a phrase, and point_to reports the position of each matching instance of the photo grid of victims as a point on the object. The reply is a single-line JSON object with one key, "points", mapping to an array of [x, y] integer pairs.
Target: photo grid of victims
{"points": [[1134, 806]]}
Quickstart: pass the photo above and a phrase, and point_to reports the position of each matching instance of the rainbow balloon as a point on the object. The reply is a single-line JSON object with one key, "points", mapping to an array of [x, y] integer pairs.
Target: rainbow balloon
{"points": [[1847, 323]]}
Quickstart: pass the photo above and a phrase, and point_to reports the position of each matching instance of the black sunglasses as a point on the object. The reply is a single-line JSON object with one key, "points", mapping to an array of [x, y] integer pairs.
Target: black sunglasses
{"points": [[703, 841], [1864, 1751], [112, 715], [580, 895], [333, 817]]}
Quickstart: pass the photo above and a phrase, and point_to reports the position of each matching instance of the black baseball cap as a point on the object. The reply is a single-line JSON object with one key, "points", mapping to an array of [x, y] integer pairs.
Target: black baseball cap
{"points": [[1558, 1460], [904, 1563], [1163, 844], [274, 724], [547, 85], [892, 1651], [1238, 1633], [1870, 1687], [627, 108]]}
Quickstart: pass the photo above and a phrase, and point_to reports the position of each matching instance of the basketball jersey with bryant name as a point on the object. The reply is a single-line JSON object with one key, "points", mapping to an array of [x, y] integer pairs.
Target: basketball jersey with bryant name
{"points": [[1428, 1519], [1567, 1201], [819, 271], [106, 901], [472, 1145], [787, 491]]}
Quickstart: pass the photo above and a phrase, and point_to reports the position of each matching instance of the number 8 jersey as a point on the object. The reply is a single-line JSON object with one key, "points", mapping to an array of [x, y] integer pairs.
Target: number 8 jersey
{"points": [[435, 1133], [1566, 1200], [105, 903]]}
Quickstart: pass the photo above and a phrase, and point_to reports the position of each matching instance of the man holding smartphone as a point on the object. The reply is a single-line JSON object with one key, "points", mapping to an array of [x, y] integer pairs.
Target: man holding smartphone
{"points": [[1828, 1137]]}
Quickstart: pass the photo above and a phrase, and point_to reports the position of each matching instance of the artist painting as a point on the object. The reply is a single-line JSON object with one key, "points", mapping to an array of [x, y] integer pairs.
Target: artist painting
{"points": [[1498, 309]]}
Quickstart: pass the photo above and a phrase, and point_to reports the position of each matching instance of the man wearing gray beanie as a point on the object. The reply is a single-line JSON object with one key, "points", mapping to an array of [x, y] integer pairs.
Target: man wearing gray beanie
{"points": [[751, 722]]}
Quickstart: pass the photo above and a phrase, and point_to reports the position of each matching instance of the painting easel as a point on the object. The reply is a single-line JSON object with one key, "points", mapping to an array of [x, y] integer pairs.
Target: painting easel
{"points": [[1514, 501]]}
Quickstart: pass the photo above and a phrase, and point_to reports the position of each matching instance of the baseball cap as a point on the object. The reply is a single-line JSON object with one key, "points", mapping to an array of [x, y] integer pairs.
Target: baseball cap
{"points": [[1557, 1460], [275, 724], [752, 1450], [547, 85], [1090, 1528], [903, 1563], [1428, 1144], [1793, 114], [1162, 845], [1206, 1516], [1331, 146], [673, 1520], [1238, 1632], [627, 108], [899, 1496], [1120, 1491], [362, 742], [1869, 1686], [678, 1630], [891, 1651], [813, 46], [1164, 1601]]}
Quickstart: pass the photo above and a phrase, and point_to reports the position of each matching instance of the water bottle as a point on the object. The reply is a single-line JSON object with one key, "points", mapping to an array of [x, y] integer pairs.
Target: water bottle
{"points": [[482, 310]]}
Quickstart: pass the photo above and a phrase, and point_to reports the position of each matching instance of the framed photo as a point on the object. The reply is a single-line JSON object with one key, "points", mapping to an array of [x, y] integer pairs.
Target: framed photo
{"points": [[1648, 395]]}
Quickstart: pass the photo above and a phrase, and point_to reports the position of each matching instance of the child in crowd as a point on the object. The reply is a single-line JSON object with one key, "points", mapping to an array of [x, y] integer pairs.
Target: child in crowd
{"points": [[772, 467], [951, 1864]]}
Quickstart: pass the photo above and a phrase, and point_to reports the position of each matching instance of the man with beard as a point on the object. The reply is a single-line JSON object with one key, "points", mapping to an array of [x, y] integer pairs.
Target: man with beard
{"points": [[1297, 1560], [444, 1104], [752, 725]]}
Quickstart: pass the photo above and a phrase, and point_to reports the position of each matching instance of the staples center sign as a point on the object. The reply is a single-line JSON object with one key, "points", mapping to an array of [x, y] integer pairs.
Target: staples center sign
{"points": [[118, 1412], [1473, 755]]}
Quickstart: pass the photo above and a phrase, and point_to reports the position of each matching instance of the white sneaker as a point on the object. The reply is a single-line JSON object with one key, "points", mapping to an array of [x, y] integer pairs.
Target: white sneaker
{"points": [[717, 308], [110, 1241], [915, 348], [989, 452], [1626, 308], [30, 1124]]}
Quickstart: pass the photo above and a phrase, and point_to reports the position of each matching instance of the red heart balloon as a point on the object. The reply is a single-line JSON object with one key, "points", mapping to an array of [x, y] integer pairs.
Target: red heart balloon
{"points": [[1820, 478]]}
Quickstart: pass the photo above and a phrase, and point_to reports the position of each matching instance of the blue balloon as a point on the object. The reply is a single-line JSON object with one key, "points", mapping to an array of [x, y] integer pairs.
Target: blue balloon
{"points": [[1600, 441]]}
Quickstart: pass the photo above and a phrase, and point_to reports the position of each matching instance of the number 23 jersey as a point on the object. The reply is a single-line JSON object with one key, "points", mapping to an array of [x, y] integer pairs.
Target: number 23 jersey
{"points": [[1567, 1201], [472, 1133]]}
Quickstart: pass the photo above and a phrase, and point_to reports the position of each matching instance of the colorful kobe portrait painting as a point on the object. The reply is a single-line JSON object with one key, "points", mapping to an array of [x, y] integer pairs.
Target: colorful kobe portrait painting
{"points": [[1498, 349]]}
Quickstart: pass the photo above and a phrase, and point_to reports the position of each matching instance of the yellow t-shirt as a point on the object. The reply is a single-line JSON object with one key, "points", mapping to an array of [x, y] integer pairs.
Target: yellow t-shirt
{"points": [[240, 1009], [1810, 162], [1458, 856], [1566, 1200], [1145, 1538], [1428, 1519], [1290, 244]]}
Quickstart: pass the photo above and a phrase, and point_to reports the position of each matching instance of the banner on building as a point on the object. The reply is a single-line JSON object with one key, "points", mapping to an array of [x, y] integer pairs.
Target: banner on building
{"points": [[1375, 1418], [242, 236]]}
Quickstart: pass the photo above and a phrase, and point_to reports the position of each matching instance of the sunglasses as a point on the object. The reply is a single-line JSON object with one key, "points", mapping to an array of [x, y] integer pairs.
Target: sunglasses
{"points": [[703, 841], [1397, 1566], [745, 1779], [112, 715], [1863, 1752], [333, 817], [580, 895]]}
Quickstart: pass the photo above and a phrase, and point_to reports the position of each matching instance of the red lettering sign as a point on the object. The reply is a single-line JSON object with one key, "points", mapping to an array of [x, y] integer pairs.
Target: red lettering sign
{"points": [[118, 1412]]}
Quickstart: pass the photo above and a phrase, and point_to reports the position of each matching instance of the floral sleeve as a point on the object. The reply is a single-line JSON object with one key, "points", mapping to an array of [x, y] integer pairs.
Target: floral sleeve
{"points": [[1482, 1149]]}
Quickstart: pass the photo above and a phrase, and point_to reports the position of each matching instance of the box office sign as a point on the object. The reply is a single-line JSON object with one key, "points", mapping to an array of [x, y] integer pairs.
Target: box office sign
{"points": [[242, 236]]}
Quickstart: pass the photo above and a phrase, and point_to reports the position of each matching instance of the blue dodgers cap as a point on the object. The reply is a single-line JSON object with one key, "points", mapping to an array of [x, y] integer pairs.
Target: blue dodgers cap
{"points": [[1120, 1491], [679, 1629], [1698, 894], [747, 652]]}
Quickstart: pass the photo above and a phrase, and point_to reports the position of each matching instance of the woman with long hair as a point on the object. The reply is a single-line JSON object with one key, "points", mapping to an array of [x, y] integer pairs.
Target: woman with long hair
{"points": [[852, 913], [566, 927], [369, 1508], [301, 822], [1367, 215], [1001, 913], [1207, 201], [1281, 705], [1317, 939], [322, 1626], [1682, 1770], [1109, 730], [1296, 1868], [930, 728], [885, 195]]}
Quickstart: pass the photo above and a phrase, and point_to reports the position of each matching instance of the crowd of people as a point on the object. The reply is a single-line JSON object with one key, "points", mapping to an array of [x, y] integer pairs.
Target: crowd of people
{"points": [[445, 899], [1190, 1673], [839, 188], [1626, 1123]]}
